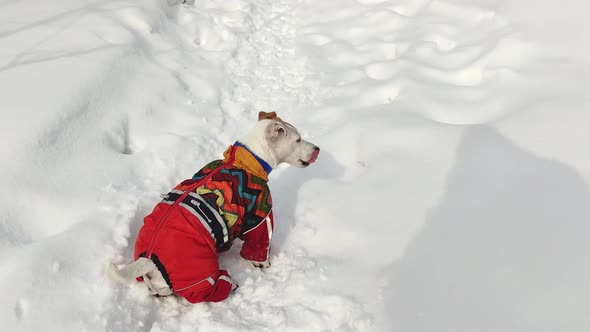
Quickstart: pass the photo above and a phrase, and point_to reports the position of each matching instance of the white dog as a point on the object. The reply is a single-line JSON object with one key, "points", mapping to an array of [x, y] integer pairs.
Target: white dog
{"points": [[177, 248]]}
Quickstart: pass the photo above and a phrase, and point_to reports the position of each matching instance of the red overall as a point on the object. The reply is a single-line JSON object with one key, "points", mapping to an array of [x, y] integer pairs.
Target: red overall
{"points": [[184, 233]]}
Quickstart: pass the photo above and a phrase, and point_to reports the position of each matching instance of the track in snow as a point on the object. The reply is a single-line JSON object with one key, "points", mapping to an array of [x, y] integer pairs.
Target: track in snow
{"points": [[260, 71]]}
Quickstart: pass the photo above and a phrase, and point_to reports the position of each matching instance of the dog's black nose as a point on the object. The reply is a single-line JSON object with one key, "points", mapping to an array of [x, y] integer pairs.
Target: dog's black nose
{"points": [[316, 148]]}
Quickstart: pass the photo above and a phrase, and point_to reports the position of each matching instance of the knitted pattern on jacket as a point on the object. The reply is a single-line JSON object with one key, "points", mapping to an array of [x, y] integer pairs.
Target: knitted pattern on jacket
{"points": [[239, 191]]}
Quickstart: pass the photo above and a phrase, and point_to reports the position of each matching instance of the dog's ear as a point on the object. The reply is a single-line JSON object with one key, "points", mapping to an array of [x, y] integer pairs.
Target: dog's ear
{"points": [[266, 116], [275, 129]]}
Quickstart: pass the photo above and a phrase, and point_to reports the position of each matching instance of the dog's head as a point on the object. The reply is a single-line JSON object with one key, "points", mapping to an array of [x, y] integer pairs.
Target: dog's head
{"points": [[286, 143], [277, 142]]}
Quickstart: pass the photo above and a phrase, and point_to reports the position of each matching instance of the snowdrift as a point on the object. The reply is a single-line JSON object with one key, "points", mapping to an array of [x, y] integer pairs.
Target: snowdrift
{"points": [[451, 194]]}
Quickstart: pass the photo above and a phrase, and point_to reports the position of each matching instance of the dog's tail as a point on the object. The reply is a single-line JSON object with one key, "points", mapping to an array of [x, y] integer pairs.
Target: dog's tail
{"points": [[139, 268], [143, 267]]}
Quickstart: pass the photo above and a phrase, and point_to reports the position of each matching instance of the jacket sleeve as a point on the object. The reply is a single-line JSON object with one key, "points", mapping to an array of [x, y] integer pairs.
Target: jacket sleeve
{"points": [[256, 245]]}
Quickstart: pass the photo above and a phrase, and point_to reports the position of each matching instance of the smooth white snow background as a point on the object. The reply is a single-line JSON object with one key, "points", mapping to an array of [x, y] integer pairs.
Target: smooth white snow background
{"points": [[451, 193]]}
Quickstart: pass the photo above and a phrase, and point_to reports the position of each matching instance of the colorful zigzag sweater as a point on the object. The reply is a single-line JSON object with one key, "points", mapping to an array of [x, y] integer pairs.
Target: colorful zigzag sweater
{"points": [[240, 193]]}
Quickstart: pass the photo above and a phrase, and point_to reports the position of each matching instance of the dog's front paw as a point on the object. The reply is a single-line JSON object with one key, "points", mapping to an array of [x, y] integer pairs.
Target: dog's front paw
{"points": [[261, 265]]}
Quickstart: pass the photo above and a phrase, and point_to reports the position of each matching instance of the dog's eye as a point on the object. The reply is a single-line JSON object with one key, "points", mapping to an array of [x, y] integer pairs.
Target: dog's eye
{"points": [[298, 140]]}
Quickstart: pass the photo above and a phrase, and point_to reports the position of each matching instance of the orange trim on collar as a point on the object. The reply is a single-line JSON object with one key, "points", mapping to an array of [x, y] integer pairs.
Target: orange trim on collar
{"points": [[246, 161]]}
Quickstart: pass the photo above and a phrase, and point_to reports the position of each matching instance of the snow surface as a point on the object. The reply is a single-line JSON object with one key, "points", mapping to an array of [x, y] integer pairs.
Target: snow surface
{"points": [[452, 192]]}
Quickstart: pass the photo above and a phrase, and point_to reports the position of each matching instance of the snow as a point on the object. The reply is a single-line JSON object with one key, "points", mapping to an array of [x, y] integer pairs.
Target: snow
{"points": [[451, 193]]}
